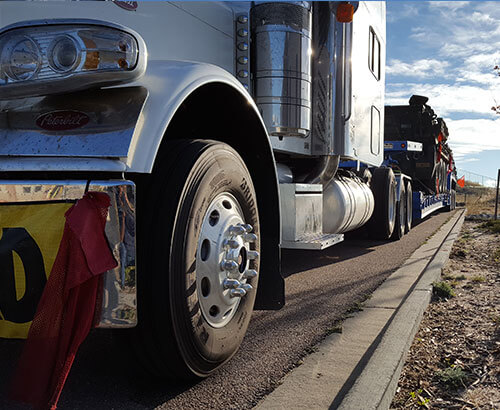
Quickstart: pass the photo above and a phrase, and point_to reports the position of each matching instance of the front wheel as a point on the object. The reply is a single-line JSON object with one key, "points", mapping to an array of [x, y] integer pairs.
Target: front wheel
{"points": [[200, 260]]}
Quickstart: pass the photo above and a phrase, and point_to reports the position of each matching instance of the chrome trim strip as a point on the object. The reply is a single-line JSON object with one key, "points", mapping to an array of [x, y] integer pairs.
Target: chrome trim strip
{"points": [[48, 164], [33, 143], [63, 21], [119, 307]]}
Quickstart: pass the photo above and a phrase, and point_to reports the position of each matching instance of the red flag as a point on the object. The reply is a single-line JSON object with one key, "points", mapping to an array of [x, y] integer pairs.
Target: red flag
{"points": [[66, 310], [461, 182]]}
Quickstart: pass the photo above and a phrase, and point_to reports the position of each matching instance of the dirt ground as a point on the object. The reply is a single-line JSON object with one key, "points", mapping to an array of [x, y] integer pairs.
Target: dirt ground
{"points": [[454, 362]]}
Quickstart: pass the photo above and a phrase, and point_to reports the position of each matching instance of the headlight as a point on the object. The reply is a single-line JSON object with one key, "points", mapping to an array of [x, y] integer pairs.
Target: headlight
{"points": [[64, 54], [22, 59], [54, 58]]}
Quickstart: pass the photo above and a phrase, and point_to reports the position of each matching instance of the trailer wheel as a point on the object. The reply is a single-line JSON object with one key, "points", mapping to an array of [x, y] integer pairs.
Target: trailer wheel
{"points": [[383, 185], [200, 260], [443, 177], [409, 207], [453, 201], [437, 179], [400, 224]]}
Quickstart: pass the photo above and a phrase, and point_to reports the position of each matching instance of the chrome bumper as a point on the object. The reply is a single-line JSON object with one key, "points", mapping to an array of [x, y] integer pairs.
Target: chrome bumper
{"points": [[118, 308]]}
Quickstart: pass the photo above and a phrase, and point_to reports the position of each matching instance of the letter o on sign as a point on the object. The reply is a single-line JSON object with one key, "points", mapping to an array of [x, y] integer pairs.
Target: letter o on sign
{"points": [[18, 240]]}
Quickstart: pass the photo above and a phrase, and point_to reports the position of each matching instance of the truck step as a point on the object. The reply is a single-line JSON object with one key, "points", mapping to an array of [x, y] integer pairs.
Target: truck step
{"points": [[313, 241]]}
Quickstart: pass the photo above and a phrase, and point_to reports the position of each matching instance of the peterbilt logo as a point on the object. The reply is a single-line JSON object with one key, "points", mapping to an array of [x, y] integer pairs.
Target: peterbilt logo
{"points": [[127, 5], [62, 120]]}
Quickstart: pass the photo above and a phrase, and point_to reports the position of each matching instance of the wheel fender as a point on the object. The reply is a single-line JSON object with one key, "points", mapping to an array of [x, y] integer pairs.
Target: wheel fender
{"points": [[169, 85]]}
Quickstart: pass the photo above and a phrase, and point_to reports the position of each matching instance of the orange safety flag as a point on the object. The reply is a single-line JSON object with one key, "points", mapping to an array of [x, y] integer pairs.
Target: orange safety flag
{"points": [[461, 182], [66, 310]]}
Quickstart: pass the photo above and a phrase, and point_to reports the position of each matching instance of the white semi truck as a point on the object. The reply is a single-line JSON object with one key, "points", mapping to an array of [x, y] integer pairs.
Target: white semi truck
{"points": [[221, 131]]}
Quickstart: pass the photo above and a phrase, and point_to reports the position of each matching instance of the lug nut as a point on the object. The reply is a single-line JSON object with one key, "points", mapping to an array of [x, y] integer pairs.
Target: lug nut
{"points": [[228, 265], [237, 230], [231, 243], [248, 227], [230, 283], [250, 274], [237, 293], [250, 237], [246, 287], [252, 255]]}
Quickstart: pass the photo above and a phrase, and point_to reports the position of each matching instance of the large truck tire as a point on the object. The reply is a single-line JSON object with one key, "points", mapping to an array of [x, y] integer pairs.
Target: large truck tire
{"points": [[437, 179], [443, 177], [198, 260], [409, 207], [383, 185], [400, 224], [453, 201]]}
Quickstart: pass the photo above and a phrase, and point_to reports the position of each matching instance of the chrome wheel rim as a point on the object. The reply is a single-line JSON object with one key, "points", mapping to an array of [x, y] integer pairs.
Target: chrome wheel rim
{"points": [[409, 207], [224, 260], [392, 203]]}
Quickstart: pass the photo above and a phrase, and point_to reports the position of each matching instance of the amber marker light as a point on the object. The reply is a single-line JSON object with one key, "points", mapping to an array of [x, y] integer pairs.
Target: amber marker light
{"points": [[345, 12]]}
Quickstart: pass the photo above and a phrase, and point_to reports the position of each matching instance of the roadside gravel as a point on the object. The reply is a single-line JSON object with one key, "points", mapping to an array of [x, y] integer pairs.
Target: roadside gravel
{"points": [[454, 361]]}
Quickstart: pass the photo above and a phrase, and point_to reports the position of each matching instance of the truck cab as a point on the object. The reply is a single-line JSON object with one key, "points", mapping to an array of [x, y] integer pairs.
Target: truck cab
{"points": [[221, 132]]}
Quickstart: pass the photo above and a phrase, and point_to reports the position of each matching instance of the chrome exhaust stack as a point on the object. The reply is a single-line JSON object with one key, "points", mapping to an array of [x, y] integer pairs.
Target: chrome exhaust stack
{"points": [[281, 65]]}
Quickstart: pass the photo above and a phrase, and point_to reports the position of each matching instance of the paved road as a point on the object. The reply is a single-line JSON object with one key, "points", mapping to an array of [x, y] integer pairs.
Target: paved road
{"points": [[320, 286]]}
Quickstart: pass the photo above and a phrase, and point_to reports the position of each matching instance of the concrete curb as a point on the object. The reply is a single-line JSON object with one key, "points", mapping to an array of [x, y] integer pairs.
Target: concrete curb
{"points": [[360, 367]]}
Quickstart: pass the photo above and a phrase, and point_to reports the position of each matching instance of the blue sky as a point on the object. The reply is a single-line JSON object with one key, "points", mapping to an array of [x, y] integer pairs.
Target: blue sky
{"points": [[446, 50]]}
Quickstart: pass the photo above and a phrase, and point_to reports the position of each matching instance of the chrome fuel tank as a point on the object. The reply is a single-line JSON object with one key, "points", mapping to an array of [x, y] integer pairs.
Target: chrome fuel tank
{"points": [[348, 204]]}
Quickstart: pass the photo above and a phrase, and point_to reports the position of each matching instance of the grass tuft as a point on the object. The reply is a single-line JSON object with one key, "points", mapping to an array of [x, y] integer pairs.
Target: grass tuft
{"points": [[442, 290], [454, 278], [453, 377], [492, 226]]}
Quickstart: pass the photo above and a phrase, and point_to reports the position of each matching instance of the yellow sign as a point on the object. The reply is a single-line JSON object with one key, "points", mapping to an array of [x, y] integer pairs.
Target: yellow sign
{"points": [[29, 241]]}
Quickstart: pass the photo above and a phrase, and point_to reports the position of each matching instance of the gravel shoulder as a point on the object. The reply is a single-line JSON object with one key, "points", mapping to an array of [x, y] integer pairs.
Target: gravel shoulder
{"points": [[454, 361]]}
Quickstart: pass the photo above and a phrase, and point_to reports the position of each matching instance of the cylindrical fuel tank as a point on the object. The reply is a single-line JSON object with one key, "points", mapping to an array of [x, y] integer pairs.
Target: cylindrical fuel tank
{"points": [[281, 66], [348, 204]]}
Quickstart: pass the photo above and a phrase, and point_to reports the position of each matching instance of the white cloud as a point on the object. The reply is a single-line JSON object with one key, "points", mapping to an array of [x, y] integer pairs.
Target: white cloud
{"points": [[482, 18], [448, 6], [446, 99], [459, 30], [470, 137], [404, 11], [420, 68]]}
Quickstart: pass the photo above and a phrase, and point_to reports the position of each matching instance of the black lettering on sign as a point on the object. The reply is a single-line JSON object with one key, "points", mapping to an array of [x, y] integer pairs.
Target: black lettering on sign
{"points": [[20, 241]]}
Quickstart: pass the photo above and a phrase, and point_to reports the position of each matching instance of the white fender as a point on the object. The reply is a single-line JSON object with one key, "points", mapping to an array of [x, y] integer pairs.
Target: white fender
{"points": [[169, 83]]}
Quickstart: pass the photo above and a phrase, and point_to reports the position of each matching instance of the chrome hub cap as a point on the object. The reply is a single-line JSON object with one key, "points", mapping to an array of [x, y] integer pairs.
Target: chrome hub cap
{"points": [[224, 260]]}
